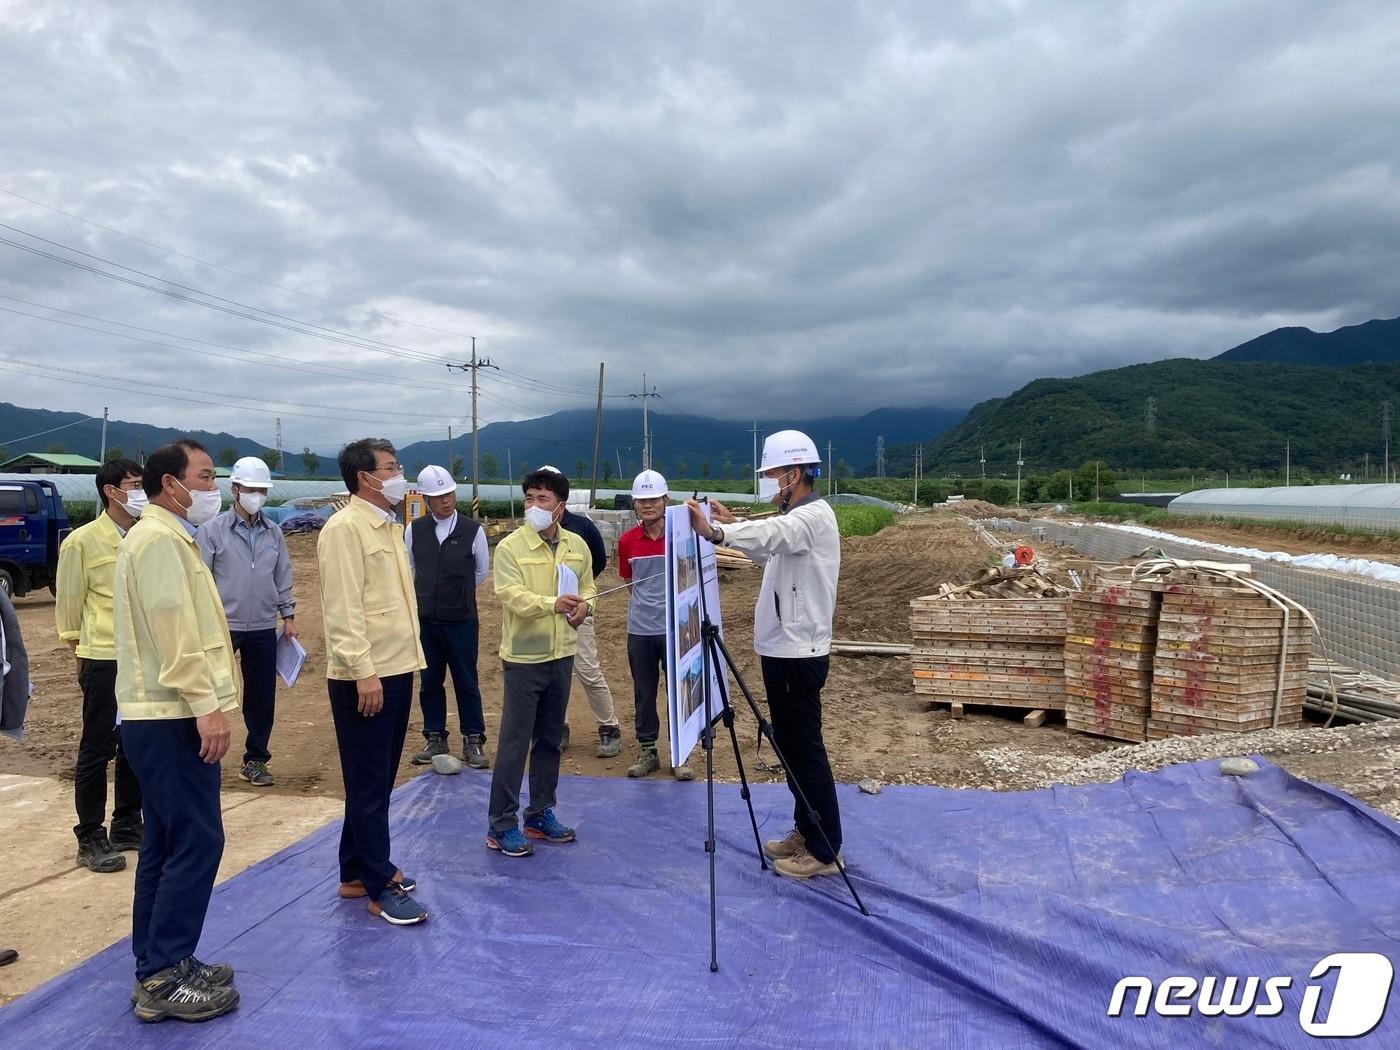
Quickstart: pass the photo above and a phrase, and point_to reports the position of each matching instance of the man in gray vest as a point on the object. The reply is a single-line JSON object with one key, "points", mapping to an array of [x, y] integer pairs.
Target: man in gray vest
{"points": [[449, 558]]}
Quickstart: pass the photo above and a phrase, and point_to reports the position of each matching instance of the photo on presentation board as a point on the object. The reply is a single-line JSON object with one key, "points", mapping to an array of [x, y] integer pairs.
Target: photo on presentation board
{"points": [[688, 563]]}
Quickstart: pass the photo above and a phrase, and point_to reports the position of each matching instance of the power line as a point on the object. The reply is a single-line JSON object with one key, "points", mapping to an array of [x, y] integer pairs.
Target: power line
{"points": [[275, 360], [272, 318], [144, 386], [41, 433], [378, 314]]}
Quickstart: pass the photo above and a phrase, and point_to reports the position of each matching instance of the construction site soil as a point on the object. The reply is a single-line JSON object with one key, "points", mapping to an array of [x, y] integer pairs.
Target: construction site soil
{"points": [[875, 726]]}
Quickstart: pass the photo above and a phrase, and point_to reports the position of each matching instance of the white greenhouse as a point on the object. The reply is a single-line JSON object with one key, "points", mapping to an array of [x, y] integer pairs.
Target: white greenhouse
{"points": [[1374, 508]]}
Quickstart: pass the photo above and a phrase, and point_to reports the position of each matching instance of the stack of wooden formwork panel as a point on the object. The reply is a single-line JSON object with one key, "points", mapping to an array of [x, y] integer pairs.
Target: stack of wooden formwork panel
{"points": [[1006, 652], [1109, 650], [1221, 651]]}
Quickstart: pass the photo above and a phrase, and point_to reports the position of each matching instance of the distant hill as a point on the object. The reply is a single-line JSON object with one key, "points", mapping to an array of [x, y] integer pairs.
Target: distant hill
{"points": [[1208, 414], [683, 444], [85, 438], [1374, 342]]}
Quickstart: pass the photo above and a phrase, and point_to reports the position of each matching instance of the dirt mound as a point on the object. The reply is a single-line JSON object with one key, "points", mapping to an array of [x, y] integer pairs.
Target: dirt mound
{"points": [[880, 574], [976, 508]]}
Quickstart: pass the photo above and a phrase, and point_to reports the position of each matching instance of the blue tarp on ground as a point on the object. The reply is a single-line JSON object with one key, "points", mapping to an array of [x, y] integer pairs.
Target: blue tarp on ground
{"points": [[1000, 920]]}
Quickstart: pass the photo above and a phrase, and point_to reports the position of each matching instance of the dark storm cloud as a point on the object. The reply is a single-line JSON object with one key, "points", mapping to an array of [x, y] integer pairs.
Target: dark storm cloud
{"points": [[830, 206]]}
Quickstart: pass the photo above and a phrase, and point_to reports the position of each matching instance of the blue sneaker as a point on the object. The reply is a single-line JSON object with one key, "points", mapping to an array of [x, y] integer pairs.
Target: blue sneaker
{"points": [[396, 906], [545, 826], [511, 843]]}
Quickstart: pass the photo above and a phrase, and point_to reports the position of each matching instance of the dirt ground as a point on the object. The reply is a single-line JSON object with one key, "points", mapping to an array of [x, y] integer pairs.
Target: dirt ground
{"points": [[875, 727]]}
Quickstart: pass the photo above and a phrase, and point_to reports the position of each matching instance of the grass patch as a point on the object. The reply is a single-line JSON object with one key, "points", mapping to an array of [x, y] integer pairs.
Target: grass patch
{"points": [[862, 521], [1160, 518]]}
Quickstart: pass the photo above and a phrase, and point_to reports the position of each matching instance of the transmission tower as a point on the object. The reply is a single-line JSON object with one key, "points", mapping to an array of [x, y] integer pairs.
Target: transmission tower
{"points": [[879, 457], [1151, 415]]}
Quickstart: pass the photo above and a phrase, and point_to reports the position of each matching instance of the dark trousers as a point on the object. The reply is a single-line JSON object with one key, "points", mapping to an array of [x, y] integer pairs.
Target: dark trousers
{"points": [[532, 725], [257, 651], [99, 744], [370, 749], [794, 690], [450, 646], [183, 844], [646, 656]]}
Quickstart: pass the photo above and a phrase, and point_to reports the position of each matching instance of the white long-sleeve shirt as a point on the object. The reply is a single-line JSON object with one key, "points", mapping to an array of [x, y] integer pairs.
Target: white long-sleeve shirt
{"points": [[800, 552], [442, 528]]}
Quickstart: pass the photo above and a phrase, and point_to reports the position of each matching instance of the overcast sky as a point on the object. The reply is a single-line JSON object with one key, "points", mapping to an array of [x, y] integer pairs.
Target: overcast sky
{"points": [[791, 209]]}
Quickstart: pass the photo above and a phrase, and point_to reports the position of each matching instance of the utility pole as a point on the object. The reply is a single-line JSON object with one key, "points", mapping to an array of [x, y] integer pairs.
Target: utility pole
{"points": [[918, 470], [474, 366], [1020, 462], [984, 462], [646, 432], [755, 430], [102, 456], [597, 436], [1096, 481], [449, 449], [1287, 463], [1368, 466], [831, 468], [880, 457], [1385, 433], [510, 482], [281, 468]]}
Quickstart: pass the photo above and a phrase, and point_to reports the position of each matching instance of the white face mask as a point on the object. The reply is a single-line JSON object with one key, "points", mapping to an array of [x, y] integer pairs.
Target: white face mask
{"points": [[538, 518], [252, 502], [395, 489], [136, 501], [768, 488], [205, 505]]}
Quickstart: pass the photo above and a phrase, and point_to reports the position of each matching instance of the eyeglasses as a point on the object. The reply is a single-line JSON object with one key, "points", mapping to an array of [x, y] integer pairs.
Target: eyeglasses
{"points": [[392, 467]]}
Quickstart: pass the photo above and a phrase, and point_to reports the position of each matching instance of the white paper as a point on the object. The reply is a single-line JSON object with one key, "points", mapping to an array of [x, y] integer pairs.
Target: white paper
{"points": [[290, 657], [568, 581]]}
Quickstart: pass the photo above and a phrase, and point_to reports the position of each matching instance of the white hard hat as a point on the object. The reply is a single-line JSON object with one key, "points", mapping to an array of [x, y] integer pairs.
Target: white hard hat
{"points": [[788, 448], [435, 481], [251, 473], [552, 470], [649, 485]]}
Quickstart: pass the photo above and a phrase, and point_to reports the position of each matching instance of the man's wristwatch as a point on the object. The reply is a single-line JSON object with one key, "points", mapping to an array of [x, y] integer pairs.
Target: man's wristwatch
{"points": [[716, 534]]}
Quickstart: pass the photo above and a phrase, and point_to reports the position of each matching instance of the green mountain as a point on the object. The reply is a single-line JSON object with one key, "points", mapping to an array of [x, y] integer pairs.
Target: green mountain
{"points": [[1213, 415], [1371, 343]]}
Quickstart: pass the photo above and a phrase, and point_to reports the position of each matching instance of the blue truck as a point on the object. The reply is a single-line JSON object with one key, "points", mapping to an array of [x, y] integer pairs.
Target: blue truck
{"points": [[32, 525]]}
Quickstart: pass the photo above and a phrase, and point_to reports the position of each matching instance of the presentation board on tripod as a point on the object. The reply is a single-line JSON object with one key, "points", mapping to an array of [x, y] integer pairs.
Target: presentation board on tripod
{"points": [[689, 561]]}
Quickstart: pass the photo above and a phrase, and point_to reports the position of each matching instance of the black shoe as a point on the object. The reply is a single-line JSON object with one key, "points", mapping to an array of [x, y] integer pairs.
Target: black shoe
{"points": [[7, 956], [436, 745], [256, 774], [564, 740], [127, 835], [473, 751], [220, 975], [183, 992], [96, 854], [609, 741]]}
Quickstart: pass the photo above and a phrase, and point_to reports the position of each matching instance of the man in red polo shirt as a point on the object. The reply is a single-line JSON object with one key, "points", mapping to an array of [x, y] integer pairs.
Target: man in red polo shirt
{"points": [[641, 561]]}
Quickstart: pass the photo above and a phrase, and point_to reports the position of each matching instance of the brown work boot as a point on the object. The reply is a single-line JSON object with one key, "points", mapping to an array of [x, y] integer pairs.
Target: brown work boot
{"points": [[789, 845], [802, 865]]}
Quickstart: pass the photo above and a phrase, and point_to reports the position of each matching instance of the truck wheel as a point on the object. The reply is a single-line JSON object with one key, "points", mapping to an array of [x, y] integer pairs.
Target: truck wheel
{"points": [[7, 583]]}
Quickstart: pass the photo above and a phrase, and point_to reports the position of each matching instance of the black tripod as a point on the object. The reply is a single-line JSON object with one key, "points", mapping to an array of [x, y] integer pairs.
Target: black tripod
{"points": [[714, 654]]}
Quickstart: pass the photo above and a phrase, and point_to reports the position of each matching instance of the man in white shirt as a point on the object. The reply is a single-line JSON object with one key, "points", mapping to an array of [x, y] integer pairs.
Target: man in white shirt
{"points": [[449, 558], [800, 551]]}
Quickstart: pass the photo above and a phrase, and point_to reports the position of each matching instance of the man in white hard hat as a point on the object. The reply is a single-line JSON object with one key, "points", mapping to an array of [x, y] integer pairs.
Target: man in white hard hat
{"points": [[247, 554], [641, 561], [800, 551], [449, 557]]}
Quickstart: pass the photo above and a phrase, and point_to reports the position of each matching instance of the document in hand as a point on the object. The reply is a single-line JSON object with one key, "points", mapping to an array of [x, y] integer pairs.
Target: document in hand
{"points": [[290, 657], [568, 581]]}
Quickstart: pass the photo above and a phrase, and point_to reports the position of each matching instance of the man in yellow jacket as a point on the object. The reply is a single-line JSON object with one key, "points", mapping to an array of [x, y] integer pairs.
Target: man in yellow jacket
{"points": [[83, 613], [175, 682], [544, 579], [372, 651]]}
